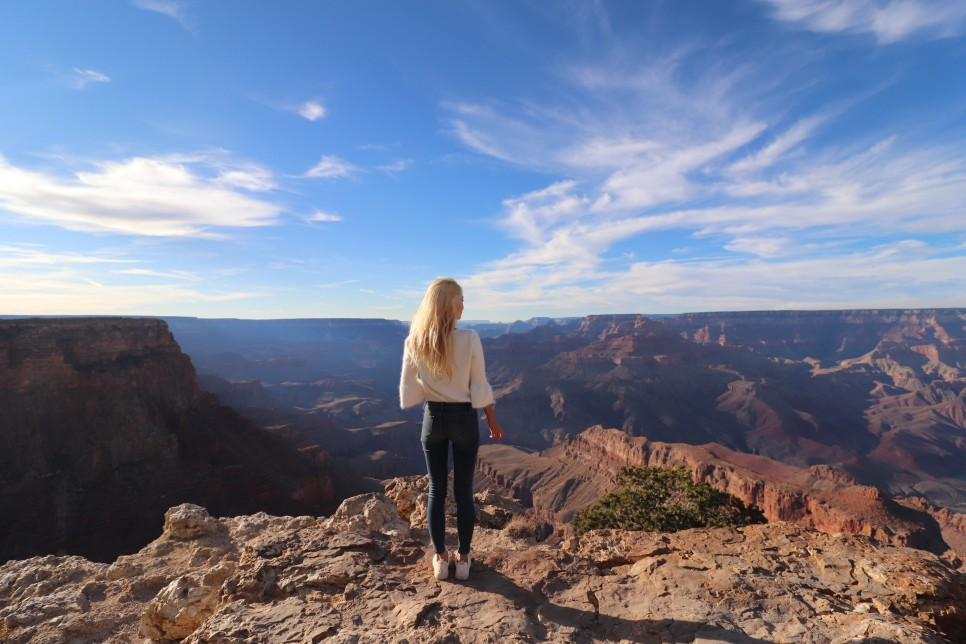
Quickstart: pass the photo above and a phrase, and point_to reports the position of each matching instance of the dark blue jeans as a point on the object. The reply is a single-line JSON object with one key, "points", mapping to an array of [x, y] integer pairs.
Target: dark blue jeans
{"points": [[444, 424]]}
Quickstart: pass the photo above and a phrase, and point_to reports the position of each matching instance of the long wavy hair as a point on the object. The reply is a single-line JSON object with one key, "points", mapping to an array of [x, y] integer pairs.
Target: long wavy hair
{"points": [[430, 339]]}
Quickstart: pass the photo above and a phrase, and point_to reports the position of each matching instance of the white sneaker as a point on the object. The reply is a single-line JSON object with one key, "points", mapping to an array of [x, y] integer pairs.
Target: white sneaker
{"points": [[463, 568], [440, 567]]}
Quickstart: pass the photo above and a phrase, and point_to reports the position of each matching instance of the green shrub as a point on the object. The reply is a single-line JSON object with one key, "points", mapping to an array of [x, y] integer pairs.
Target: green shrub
{"points": [[659, 499]]}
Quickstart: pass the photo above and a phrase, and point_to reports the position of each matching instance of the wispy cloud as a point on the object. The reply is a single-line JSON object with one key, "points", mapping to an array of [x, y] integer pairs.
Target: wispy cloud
{"points": [[312, 110], [171, 8], [836, 206], [38, 281], [769, 212], [779, 146], [853, 280], [141, 196], [337, 285], [57, 293], [144, 272], [331, 167], [252, 178], [760, 246], [397, 166], [22, 255], [319, 216], [84, 77], [888, 20]]}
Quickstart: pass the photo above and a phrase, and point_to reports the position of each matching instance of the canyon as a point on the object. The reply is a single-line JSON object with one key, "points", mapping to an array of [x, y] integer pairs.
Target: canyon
{"points": [[876, 394], [875, 398], [880, 395], [103, 427], [845, 428]]}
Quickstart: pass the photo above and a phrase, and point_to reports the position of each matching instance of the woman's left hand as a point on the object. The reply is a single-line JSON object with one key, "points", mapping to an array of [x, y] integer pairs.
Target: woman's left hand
{"points": [[496, 432]]}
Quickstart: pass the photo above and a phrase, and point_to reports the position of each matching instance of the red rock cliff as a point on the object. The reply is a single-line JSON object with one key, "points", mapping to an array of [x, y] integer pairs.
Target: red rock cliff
{"points": [[103, 427], [567, 477]]}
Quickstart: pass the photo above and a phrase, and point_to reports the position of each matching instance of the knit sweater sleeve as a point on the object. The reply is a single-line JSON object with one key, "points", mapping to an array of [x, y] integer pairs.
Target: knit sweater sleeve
{"points": [[410, 388], [481, 394]]}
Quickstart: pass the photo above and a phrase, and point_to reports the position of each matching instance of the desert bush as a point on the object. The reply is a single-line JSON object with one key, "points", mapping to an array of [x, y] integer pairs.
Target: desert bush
{"points": [[524, 527], [660, 499]]}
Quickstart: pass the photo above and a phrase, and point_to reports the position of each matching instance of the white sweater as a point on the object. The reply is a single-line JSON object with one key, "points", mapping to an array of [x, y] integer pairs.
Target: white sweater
{"points": [[467, 384]]}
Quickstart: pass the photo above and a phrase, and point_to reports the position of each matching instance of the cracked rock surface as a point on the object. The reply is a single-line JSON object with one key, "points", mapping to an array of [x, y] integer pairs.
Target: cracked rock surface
{"points": [[364, 575]]}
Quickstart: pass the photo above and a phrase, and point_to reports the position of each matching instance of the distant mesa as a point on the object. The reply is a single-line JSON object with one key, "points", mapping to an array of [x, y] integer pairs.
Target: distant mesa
{"points": [[876, 396], [869, 401]]}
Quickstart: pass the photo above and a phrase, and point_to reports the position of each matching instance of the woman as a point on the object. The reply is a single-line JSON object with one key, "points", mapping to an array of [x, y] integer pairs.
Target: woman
{"points": [[443, 366]]}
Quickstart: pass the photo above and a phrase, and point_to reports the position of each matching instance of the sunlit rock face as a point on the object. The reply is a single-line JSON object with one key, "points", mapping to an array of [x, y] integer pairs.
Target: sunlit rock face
{"points": [[802, 387], [880, 395], [563, 479], [103, 427], [363, 575]]}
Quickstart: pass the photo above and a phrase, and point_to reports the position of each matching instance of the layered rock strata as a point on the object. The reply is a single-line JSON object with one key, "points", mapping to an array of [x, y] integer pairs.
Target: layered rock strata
{"points": [[363, 575], [563, 479], [879, 394], [103, 427]]}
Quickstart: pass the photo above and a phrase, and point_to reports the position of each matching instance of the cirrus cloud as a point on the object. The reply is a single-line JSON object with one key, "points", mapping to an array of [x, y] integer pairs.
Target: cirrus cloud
{"points": [[889, 20], [140, 196], [84, 77], [331, 167], [319, 216], [171, 8], [661, 199]]}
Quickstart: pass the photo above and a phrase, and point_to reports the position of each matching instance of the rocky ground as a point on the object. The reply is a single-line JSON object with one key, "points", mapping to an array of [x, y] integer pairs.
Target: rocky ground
{"points": [[363, 575]]}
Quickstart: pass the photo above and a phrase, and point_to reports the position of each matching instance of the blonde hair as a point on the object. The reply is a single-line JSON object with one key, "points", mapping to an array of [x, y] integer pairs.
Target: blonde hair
{"points": [[430, 338]]}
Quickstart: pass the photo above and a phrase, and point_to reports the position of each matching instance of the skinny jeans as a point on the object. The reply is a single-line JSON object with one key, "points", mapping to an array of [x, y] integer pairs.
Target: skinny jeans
{"points": [[446, 424]]}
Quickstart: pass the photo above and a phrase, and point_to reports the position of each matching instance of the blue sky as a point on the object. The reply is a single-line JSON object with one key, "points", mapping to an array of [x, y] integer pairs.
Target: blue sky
{"points": [[239, 158]]}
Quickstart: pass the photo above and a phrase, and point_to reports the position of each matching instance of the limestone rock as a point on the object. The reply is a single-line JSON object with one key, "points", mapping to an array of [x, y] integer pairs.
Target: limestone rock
{"points": [[495, 511], [179, 609], [842, 583], [368, 512], [188, 521], [411, 494], [359, 578]]}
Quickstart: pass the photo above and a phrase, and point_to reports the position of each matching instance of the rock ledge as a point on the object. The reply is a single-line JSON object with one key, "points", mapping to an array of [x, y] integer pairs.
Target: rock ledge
{"points": [[363, 575]]}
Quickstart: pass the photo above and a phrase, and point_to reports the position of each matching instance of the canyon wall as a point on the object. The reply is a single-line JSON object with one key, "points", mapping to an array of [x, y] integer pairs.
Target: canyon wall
{"points": [[103, 427], [880, 395], [563, 479]]}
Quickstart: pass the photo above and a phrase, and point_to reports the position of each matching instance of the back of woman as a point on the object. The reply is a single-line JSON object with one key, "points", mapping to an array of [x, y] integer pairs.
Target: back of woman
{"points": [[443, 368]]}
